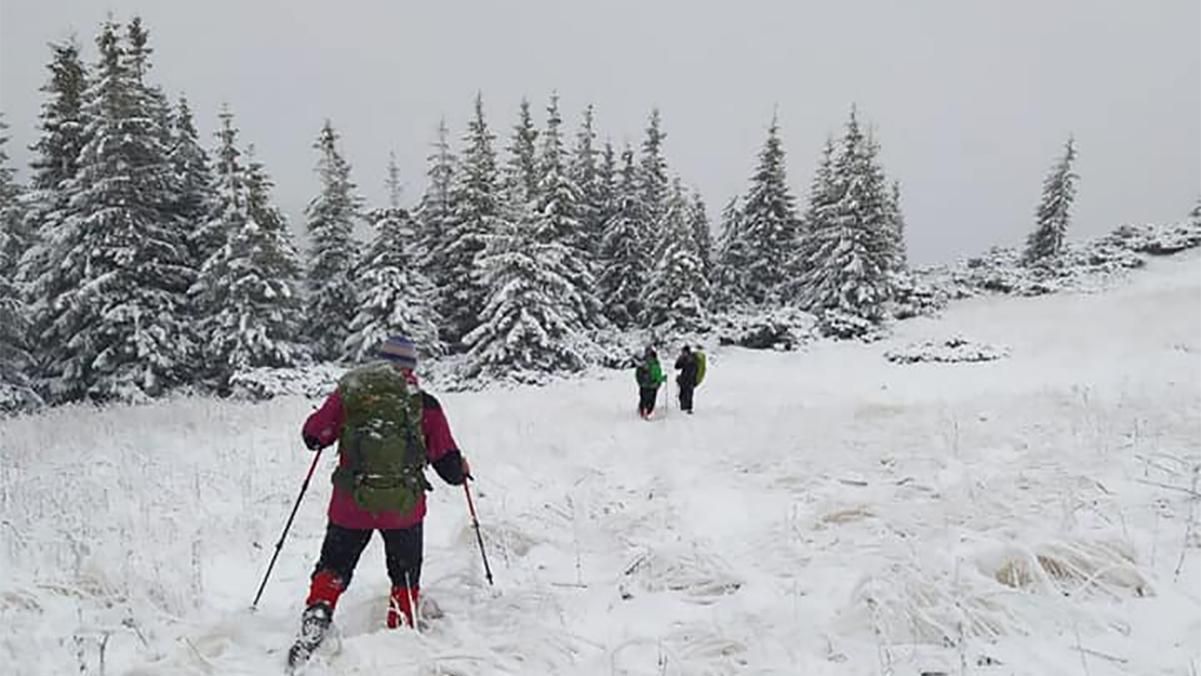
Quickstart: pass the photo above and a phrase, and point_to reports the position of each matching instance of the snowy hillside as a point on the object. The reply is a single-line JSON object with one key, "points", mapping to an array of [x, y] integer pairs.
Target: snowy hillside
{"points": [[825, 511]]}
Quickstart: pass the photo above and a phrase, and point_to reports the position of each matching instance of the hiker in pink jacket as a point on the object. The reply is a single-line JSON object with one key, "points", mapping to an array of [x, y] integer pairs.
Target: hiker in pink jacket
{"points": [[387, 429]]}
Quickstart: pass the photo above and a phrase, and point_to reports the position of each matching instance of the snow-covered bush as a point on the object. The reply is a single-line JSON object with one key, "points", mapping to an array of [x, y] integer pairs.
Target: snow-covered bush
{"points": [[949, 351], [1082, 266], [785, 328], [846, 326], [914, 297], [266, 383]]}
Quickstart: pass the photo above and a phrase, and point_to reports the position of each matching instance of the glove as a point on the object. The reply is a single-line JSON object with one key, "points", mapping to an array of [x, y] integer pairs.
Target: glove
{"points": [[312, 443], [466, 468]]}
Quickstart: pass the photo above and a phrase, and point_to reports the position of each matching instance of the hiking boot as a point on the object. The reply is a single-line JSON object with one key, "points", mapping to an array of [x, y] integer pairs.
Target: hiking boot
{"points": [[314, 625]]}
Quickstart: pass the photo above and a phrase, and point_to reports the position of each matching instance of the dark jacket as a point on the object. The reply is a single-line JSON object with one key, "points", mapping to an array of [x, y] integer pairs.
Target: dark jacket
{"points": [[687, 366]]}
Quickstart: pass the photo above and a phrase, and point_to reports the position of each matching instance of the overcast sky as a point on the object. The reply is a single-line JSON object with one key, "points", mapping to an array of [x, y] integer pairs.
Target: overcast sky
{"points": [[972, 100]]}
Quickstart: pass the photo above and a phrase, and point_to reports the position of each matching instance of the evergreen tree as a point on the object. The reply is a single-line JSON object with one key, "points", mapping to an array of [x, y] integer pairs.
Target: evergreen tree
{"points": [[606, 184], [769, 224], [16, 388], [195, 201], [698, 220], [56, 156], [477, 203], [852, 239], [522, 172], [896, 218], [558, 211], [113, 316], [392, 295], [522, 332], [249, 286], [652, 180], [334, 251], [586, 175], [56, 152], [436, 209], [625, 261], [392, 183], [732, 256], [816, 225], [1053, 215], [653, 172], [677, 293]]}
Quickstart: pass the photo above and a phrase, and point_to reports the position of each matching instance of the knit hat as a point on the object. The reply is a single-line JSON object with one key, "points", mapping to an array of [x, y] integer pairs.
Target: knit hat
{"points": [[400, 351]]}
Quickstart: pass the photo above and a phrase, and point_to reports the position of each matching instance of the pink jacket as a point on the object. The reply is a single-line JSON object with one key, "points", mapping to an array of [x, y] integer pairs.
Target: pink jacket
{"points": [[326, 425]]}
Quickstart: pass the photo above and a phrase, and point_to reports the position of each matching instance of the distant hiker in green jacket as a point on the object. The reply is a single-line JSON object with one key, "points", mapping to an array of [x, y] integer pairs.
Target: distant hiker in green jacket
{"points": [[649, 376]]}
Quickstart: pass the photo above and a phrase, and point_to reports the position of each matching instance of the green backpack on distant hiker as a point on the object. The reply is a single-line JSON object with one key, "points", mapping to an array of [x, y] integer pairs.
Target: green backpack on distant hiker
{"points": [[382, 440], [700, 367]]}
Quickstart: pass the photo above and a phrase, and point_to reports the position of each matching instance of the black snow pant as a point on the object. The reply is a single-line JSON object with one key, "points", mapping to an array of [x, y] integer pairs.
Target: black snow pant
{"points": [[646, 399], [402, 552], [686, 389]]}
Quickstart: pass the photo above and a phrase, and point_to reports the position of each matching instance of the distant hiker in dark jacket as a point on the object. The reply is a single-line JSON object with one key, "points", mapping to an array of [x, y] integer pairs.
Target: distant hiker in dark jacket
{"points": [[387, 429], [649, 376], [686, 364]]}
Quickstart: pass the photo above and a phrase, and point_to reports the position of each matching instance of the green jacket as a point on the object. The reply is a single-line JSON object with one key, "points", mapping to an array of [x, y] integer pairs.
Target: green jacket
{"points": [[649, 374]]}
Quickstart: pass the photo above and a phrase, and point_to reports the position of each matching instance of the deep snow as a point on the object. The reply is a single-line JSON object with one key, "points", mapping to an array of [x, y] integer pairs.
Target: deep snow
{"points": [[824, 512]]}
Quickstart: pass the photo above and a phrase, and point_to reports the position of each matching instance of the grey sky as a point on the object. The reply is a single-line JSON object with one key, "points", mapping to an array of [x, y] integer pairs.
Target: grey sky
{"points": [[972, 100]]}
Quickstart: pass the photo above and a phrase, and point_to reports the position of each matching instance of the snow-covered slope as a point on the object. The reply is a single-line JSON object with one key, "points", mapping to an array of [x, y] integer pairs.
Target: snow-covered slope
{"points": [[824, 512]]}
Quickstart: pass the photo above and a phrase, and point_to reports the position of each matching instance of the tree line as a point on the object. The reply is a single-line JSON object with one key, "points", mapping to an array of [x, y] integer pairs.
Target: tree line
{"points": [[138, 259]]}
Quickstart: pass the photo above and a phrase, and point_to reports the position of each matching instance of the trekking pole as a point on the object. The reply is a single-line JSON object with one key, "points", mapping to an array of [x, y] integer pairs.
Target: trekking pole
{"points": [[475, 523], [279, 545]]}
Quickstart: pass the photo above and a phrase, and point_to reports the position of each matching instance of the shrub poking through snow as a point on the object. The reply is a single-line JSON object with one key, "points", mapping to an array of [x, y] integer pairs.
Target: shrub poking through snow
{"points": [[950, 351], [784, 329]]}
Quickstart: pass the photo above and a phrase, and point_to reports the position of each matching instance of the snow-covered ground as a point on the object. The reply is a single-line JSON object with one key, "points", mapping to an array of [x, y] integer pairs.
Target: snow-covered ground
{"points": [[824, 512]]}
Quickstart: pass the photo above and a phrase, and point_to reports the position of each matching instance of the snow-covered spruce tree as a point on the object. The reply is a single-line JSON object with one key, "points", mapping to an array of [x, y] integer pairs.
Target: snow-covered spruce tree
{"points": [[196, 199], [896, 217], [333, 252], [520, 181], [652, 182], [729, 275], [1053, 215], [677, 293], [16, 363], [852, 242], [392, 295], [476, 200], [698, 220], [557, 208], [624, 256], [814, 227], [606, 185], [55, 160], [118, 330], [585, 174], [769, 224], [392, 182], [523, 332], [249, 287], [436, 209]]}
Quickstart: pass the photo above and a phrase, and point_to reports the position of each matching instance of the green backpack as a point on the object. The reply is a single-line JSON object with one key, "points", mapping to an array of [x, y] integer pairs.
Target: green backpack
{"points": [[382, 440], [700, 367]]}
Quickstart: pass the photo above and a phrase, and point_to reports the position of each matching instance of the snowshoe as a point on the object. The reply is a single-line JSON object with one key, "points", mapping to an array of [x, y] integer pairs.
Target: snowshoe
{"points": [[314, 625]]}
